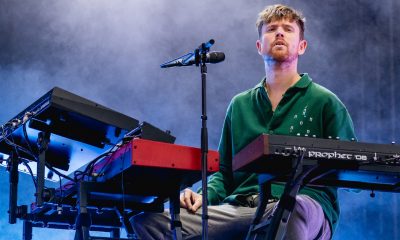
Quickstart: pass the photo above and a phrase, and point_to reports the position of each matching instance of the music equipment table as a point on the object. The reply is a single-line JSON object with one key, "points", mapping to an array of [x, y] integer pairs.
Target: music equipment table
{"points": [[300, 161]]}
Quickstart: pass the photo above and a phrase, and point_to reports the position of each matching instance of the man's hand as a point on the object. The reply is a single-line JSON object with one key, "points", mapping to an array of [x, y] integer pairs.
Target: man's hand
{"points": [[190, 200]]}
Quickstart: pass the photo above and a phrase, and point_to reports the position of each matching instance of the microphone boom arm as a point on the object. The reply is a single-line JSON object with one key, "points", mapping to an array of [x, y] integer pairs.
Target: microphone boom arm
{"points": [[195, 57]]}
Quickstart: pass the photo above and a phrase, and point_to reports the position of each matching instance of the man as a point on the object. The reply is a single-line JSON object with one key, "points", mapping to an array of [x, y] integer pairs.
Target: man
{"points": [[284, 103]]}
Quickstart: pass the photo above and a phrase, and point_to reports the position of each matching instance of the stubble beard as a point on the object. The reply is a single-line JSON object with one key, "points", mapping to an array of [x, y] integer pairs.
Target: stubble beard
{"points": [[281, 56]]}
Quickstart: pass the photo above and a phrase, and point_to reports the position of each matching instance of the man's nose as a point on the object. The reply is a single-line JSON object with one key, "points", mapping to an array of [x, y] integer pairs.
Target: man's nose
{"points": [[279, 32], [279, 35]]}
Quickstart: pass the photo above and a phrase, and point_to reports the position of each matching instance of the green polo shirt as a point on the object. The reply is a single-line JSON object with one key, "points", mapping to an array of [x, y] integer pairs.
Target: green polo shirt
{"points": [[305, 109]]}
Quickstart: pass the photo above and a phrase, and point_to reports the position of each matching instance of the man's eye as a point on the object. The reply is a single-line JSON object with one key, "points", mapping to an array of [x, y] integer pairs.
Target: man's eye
{"points": [[270, 29]]}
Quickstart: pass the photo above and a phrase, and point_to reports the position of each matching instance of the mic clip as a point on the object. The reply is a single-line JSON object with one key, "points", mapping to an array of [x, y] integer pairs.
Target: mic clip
{"points": [[201, 51]]}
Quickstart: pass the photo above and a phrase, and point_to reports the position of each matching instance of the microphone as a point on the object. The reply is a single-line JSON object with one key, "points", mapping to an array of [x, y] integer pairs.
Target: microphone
{"points": [[189, 59]]}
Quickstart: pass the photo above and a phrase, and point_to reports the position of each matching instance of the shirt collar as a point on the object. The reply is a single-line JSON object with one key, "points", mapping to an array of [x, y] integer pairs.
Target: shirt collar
{"points": [[304, 81]]}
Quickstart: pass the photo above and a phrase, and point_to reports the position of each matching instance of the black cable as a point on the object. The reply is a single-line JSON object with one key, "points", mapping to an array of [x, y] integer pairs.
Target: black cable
{"points": [[26, 137], [306, 173], [25, 162], [61, 190], [109, 159], [19, 148], [57, 172], [12, 143], [88, 171], [78, 173], [35, 159], [16, 149], [122, 182], [90, 167]]}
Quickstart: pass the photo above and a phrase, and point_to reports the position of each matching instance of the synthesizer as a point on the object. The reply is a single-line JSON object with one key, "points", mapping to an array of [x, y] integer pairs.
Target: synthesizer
{"points": [[139, 176], [339, 163], [149, 167]]}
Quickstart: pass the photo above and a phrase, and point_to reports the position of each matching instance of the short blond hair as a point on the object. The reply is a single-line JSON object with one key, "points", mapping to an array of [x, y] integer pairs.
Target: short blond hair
{"points": [[280, 12]]}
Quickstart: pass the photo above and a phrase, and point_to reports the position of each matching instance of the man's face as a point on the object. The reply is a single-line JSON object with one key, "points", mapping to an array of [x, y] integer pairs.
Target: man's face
{"points": [[280, 41]]}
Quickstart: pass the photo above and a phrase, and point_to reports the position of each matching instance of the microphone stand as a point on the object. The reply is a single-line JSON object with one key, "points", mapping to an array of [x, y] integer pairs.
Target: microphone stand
{"points": [[200, 59], [204, 139], [200, 55]]}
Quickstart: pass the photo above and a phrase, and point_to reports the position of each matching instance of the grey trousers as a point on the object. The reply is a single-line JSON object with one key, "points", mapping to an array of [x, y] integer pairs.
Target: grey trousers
{"points": [[232, 222]]}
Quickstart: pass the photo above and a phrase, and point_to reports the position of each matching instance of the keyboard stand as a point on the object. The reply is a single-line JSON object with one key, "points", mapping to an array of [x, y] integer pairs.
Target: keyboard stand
{"points": [[274, 228]]}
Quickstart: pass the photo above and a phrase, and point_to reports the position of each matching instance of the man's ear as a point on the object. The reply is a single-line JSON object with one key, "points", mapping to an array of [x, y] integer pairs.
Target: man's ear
{"points": [[302, 47], [258, 46]]}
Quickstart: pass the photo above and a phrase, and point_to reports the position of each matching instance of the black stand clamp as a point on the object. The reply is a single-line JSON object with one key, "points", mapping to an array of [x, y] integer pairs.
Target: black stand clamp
{"points": [[12, 167], [14, 210], [43, 143]]}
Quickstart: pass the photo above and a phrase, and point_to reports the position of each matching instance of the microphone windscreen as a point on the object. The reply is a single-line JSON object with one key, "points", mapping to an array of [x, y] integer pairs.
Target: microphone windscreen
{"points": [[216, 57]]}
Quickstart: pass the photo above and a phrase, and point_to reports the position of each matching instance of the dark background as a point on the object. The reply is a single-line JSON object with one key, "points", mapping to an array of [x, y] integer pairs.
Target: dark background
{"points": [[110, 51]]}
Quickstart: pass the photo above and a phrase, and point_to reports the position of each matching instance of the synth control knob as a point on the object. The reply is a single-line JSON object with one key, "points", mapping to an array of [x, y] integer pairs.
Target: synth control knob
{"points": [[353, 139], [329, 137], [305, 135], [393, 142], [314, 136], [337, 138]]}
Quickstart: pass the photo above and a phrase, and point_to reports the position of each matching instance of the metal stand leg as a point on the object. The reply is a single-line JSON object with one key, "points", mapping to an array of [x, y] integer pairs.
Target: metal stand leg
{"points": [[278, 222], [27, 230], [14, 176], [42, 142], [275, 227], [115, 233], [83, 220], [265, 194], [130, 233], [174, 207]]}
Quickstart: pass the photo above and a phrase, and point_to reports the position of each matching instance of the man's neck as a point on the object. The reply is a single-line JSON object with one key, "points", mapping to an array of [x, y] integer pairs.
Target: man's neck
{"points": [[281, 76]]}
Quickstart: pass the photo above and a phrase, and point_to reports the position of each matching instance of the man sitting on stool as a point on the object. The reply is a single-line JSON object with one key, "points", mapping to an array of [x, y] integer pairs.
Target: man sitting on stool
{"points": [[284, 103]]}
